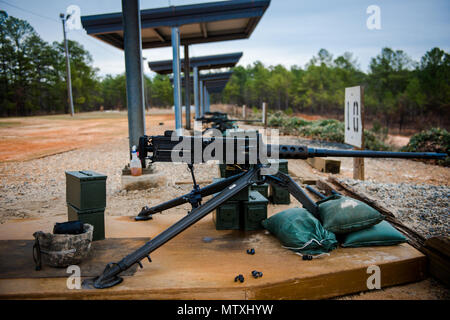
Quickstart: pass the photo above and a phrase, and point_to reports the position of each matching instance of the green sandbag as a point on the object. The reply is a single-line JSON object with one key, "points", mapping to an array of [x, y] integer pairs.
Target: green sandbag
{"points": [[381, 234], [298, 230], [340, 214]]}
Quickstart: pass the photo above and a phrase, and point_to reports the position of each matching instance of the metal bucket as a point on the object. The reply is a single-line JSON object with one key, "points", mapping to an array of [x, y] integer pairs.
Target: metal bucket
{"points": [[61, 250]]}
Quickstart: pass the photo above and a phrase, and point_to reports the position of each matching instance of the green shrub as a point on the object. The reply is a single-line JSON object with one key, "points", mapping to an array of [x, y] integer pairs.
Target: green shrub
{"points": [[326, 129], [276, 119], [433, 140], [372, 142], [379, 131]]}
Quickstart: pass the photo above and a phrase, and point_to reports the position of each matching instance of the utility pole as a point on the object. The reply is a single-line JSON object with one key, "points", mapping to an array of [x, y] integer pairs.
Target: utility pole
{"points": [[68, 76]]}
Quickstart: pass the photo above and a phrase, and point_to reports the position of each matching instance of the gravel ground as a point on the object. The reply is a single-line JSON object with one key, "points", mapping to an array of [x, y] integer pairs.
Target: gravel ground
{"points": [[424, 208], [37, 188]]}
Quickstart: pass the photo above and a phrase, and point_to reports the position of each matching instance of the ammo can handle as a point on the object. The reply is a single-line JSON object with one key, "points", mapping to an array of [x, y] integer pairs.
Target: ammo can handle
{"points": [[85, 173]]}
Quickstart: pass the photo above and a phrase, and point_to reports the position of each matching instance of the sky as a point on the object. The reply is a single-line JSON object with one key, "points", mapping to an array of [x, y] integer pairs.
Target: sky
{"points": [[290, 33]]}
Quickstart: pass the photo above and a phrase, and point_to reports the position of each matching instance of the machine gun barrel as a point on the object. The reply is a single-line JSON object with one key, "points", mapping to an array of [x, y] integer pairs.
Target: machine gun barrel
{"points": [[223, 119], [244, 120], [163, 148], [302, 152]]}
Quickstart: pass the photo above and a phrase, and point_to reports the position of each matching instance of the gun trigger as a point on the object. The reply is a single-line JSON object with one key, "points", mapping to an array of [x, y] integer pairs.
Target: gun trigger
{"points": [[149, 259], [140, 265]]}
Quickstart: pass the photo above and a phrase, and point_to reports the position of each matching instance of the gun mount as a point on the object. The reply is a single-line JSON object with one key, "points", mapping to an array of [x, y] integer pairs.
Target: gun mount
{"points": [[220, 121], [163, 148]]}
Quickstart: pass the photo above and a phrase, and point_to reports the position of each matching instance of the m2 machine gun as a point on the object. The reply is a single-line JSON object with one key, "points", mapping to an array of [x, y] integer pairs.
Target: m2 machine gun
{"points": [[192, 149], [220, 121]]}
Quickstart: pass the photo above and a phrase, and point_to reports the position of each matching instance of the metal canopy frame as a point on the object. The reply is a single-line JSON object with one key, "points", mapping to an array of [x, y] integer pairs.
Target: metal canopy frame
{"points": [[179, 25], [207, 84], [198, 23], [218, 61], [196, 64], [216, 86]]}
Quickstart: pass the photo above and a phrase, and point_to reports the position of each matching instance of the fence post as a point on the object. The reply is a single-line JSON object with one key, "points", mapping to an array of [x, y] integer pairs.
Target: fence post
{"points": [[264, 114]]}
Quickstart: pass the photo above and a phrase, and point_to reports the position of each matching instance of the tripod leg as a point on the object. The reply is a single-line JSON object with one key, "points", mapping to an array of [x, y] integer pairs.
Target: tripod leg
{"points": [[146, 212], [110, 274], [284, 181], [316, 192]]}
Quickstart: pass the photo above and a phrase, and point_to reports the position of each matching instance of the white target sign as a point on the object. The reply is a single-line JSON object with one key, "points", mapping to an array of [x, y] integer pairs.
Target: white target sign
{"points": [[353, 116]]}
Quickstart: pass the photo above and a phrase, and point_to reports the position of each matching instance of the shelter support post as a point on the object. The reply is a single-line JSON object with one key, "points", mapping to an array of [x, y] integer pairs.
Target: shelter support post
{"points": [[133, 70], [205, 101], [202, 105], [208, 100], [196, 93], [187, 79], [176, 78]]}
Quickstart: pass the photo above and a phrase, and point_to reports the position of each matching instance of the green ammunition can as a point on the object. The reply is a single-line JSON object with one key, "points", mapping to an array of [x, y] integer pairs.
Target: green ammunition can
{"points": [[279, 195], [255, 211], [94, 217], [261, 188], [226, 217], [86, 189]]}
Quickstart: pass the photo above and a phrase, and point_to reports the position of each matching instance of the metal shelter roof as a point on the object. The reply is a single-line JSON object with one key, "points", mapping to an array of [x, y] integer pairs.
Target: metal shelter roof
{"points": [[198, 23], [215, 82], [218, 61], [211, 77], [216, 86]]}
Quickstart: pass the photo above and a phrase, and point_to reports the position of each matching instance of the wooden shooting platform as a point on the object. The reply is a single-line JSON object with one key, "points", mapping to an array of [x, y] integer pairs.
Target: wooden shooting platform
{"points": [[201, 263]]}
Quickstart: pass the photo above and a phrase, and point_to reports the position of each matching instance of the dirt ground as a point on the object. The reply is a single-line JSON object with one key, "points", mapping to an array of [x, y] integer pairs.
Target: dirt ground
{"points": [[29, 138], [35, 152]]}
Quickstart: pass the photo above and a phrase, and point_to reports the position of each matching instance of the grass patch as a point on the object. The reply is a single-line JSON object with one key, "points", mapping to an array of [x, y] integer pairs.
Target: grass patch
{"points": [[327, 130], [9, 124]]}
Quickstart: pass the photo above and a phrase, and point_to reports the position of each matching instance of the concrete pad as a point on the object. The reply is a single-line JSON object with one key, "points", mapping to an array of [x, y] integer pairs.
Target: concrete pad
{"points": [[189, 268], [144, 181]]}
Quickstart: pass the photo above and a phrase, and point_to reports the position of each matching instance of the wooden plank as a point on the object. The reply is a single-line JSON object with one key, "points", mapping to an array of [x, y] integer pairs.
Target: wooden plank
{"points": [[440, 244], [438, 265], [326, 187], [189, 268], [339, 283], [326, 165], [358, 163], [358, 167], [302, 171], [437, 250], [18, 263]]}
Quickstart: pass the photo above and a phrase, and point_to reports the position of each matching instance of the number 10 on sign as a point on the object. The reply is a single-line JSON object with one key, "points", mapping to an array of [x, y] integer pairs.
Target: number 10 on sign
{"points": [[353, 116]]}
